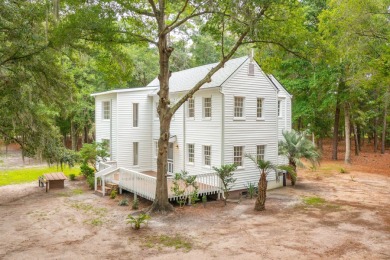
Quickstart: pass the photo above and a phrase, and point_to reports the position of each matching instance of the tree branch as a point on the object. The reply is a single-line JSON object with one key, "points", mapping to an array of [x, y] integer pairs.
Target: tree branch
{"points": [[178, 15], [208, 76], [154, 8], [141, 12]]}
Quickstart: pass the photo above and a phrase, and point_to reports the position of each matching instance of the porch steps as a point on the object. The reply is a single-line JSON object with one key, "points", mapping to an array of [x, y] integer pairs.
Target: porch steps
{"points": [[108, 187]]}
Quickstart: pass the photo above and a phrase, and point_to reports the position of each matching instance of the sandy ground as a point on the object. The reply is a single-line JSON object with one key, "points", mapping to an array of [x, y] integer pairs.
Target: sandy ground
{"points": [[353, 223]]}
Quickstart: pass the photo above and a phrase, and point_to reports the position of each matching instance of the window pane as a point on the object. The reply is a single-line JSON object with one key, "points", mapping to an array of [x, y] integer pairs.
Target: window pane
{"points": [[207, 107], [191, 107], [135, 115], [135, 153], [207, 155], [259, 107], [191, 153], [260, 152], [238, 155], [106, 110], [238, 106]]}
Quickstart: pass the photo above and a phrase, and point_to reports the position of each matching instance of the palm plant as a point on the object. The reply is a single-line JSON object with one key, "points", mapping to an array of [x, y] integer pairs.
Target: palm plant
{"points": [[264, 167], [295, 147], [225, 173]]}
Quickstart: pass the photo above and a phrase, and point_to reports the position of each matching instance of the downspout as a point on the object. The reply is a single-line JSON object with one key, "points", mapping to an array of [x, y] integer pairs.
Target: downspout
{"points": [[117, 129], [222, 128], [184, 136], [111, 118]]}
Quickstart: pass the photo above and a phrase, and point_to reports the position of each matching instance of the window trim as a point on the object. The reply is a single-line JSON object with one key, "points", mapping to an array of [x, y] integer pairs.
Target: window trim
{"points": [[262, 108], [188, 154], [242, 156], [135, 159], [135, 116], [257, 151], [242, 117], [204, 156], [109, 110], [193, 108], [204, 108]]}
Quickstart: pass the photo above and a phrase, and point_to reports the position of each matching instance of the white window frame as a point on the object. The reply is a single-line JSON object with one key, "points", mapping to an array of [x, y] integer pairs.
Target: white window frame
{"points": [[260, 148], [236, 151], [206, 157], [191, 108], [207, 114], [261, 108], [191, 154], [239, 108], [135, 153], [135, 114], [280, 108], [251, 69], [106, 111]]}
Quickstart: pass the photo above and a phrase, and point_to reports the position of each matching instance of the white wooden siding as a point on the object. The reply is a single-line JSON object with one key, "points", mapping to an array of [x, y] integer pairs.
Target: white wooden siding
{"points": [[251, 131], [284, 121]]}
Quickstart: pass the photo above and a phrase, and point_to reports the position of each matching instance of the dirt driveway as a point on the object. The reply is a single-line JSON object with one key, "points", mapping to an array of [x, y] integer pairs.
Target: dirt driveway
{"points": [[327, 215]]}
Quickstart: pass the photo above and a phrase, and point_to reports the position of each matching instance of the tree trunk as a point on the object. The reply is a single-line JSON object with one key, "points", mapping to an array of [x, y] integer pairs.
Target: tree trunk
{"points": [[383, 146], [347, 115], [294, 166], [262, 195], [72, 136], [161, 203], [336, 131], [356, 138], [375, 135]]}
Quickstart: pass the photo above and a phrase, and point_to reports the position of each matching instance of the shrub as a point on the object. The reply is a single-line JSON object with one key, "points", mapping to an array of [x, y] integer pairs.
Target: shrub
{"points": [[136, 222], [225, 173], [124, 202], [252, 189], [342, 170], [86, 170], [113, 194], [72, 176], [135, 204], [91, 182], [204, 200]]}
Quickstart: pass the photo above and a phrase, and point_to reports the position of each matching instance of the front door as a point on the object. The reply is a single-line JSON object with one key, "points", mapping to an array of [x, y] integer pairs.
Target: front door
{"points": [[170, 158]]}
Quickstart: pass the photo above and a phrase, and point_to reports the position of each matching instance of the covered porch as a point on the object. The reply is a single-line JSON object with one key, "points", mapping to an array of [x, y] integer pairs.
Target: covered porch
{"points": [[144, 183]]}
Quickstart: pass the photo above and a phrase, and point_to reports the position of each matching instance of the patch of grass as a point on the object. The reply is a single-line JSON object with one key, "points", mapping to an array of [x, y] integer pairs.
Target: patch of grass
{"points": [[15, 176], [96, 222], [313, 201], [88, 208], [342, 170], [77, 191], [176, 241]]}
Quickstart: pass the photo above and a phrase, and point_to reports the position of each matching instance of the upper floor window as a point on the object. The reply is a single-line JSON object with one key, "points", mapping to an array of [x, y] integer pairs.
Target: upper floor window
{"points": [[207, 155], [279, 107], [260, 152], [191, 107], [106, 110], [207, 107], [260, 110], [191, 153], [238, 107], [135, 114], [238, 155], [251, 69]]}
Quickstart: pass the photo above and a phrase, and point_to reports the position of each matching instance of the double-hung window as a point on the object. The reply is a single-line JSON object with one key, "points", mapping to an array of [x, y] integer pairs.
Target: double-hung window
{"points": [[106, 110], [260, 152], [191, 108], [207, 107], [135, 115], [260, 109], [191, 153], [238, 107], [207, 155], [238, 154]]}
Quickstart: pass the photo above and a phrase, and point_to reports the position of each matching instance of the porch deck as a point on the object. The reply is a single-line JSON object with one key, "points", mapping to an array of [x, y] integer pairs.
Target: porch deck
{"points": [[144, 183]]}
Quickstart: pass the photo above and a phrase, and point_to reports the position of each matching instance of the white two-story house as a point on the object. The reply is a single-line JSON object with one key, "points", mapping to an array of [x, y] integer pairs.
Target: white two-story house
{"points": [[241, 111]]}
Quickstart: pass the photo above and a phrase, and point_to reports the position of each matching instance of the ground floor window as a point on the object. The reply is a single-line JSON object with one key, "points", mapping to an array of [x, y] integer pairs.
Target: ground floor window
{"points": [[260, 152], [191, 153], [238, 154], [207, 155]]}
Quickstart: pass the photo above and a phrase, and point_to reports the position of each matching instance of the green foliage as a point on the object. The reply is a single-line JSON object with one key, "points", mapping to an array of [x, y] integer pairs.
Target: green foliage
{"points": [[342, 170], [226, 173], [93, 153], [86, 170], [176, 241], [91, 182], [72, 177], [113, 194], [182, 183], [290, 171], [135, 204], [295, 147], [204, 200], [251, 189], [123, 202], [137, 221]]}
